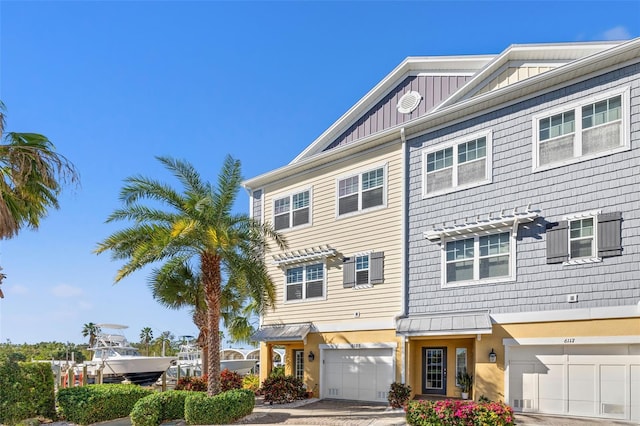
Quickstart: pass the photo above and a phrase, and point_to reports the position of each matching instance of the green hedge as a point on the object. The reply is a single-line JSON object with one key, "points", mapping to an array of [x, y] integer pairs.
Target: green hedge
{"points": [[158, 407], [96, 403], [458, 413], [26, 390], [224, 408]]}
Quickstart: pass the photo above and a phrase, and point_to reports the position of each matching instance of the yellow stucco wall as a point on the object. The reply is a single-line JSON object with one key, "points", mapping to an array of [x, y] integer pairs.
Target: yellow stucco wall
{"points": [[313, 342], [489, 377]]}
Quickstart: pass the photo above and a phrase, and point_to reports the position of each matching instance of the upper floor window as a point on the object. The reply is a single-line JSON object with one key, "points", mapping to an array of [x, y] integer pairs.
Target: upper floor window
{"points": [[462, 163], [292, 210], [583, 130], [478, 258], [305, 282], [363, 270], [361, 192], [585, 237]]}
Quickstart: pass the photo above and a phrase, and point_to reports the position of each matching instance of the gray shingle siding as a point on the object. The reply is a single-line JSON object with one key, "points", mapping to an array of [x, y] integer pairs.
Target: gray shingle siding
{"points": [[610, 183]]}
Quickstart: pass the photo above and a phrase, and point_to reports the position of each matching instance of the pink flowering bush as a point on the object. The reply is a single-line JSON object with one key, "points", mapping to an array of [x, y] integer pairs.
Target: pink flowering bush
{"points": [[450, 412]]}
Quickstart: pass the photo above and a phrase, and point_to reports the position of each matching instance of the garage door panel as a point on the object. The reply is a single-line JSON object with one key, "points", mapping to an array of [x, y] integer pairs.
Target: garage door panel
{"points": [[635, 392], [358, 374], [550, 386], [587, 382]]}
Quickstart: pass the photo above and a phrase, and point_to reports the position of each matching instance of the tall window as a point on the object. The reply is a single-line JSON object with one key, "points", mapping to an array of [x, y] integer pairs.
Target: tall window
{"points": [[291, 211], [581, 130], [461, 362], [298, 364], [361, 192], [463, 163], [362, 270], [478, 258], [305, 282]]}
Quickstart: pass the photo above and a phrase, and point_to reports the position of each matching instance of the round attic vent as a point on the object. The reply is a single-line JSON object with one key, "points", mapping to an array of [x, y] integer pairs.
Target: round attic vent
{"points": [[408, 102]]}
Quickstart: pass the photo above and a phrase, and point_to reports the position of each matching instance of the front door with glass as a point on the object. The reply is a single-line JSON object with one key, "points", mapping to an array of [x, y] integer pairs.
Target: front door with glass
{"points": [[434, 371]]}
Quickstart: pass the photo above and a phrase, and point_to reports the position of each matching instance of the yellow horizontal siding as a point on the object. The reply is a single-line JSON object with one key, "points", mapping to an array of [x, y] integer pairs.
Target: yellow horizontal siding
{"points": [[378, 230]]}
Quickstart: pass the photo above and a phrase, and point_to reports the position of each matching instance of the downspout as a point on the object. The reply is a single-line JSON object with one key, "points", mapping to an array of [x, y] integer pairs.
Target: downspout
{"points": [[403, 254]]}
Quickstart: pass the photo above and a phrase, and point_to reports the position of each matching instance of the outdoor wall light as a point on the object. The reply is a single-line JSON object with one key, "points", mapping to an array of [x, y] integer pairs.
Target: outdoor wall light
{"points": [[311, 356], [492, 356]]}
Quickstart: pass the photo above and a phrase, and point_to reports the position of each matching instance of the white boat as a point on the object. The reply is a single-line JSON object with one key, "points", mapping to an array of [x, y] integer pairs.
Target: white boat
{"points": [[190, 362], [119, 361]]}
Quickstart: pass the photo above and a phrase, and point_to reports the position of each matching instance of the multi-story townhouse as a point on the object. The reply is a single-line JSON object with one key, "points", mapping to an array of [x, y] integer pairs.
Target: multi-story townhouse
{"points": [[523, 221], [340, 206], [469, 213]]}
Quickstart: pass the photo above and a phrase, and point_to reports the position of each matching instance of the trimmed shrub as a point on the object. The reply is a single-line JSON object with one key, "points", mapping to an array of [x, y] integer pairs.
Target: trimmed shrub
{"points": [[224, 408], [26, 390], [96, 403], [230, 380], [398, 395], [458, 413], [251, 382], [282, 389], [156, 408]]}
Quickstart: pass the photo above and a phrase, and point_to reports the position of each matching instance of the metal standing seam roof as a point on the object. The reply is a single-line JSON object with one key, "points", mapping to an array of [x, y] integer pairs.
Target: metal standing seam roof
{"points": [[474, 322], [281, 332]]}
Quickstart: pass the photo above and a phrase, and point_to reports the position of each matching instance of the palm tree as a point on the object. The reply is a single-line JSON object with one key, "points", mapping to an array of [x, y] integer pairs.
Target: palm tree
{"points": [[31, 178], [91, 330], [198, 229], [178, 286], [146, 336]]}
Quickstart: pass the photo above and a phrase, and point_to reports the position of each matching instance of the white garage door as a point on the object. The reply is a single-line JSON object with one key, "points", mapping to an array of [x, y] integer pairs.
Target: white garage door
{"points": [[357, 374], [586, 380]]}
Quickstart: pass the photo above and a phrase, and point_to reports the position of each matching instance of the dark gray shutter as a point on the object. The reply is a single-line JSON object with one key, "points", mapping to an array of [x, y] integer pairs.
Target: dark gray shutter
{"points": [[609, 241], [349, 272], [557, 242], [376, 267]]}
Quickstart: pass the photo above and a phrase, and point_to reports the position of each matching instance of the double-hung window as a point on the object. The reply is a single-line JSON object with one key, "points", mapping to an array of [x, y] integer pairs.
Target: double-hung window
{"points": [[305, 282], [362, 191], [584, 238], [462, 163], [592, 128], [292, 210], [479, 258]]}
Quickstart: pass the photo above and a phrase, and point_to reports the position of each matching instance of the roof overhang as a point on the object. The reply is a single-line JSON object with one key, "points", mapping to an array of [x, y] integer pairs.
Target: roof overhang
{"points": [[443, 324], [483, 225], [282, 333]]}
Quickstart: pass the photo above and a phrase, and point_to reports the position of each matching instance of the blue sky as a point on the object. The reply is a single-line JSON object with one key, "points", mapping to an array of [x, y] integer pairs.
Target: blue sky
{"points": [[114, 84]]}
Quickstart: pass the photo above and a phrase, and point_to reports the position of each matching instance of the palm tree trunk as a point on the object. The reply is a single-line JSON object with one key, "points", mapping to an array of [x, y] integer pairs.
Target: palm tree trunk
{"points": [[211, 280]]}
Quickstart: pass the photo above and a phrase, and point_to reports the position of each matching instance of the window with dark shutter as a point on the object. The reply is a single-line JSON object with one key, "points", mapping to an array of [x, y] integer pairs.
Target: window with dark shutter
{"points": [[609, 236], [376, 268], [557, 242], [349, 272]]}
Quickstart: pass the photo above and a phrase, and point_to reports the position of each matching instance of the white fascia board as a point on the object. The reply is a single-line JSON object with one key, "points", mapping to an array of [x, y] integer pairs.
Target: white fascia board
{"points": [[411, 65], [612, 312]]}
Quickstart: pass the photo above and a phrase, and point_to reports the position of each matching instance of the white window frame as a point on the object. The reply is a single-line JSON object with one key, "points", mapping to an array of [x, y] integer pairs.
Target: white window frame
{"points": [[359, 173], [487, 134], [476, 259], [304, 282], [368, 269], [576, 107], [594, 244], [290, 196], [298, 363]]}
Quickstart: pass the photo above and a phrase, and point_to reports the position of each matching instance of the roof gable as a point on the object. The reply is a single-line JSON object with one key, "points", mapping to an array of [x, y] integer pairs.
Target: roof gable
{"points": [[520, 62], [434, 78]]}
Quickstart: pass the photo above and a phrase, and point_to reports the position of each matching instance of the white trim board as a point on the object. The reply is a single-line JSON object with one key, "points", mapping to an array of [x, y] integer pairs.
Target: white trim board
{"points": [[609, 312]]}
